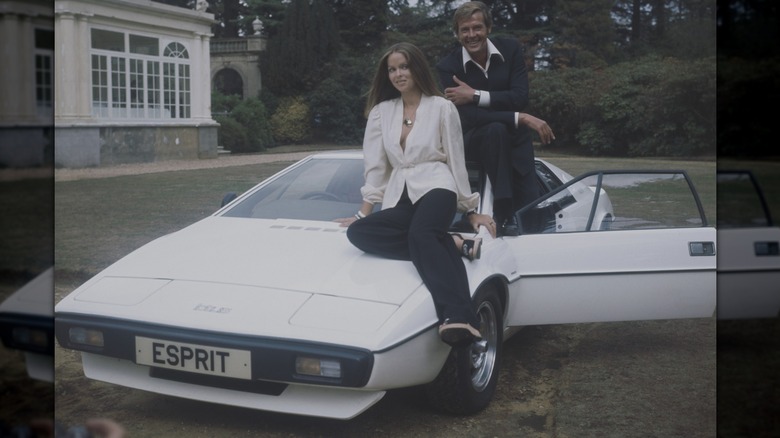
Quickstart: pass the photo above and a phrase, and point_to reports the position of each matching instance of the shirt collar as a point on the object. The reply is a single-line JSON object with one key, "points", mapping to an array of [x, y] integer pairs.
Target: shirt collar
{"points": [[492, 50]]}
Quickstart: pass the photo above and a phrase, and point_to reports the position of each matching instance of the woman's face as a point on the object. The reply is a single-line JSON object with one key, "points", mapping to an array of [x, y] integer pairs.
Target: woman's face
{"points": [[399, 73]]}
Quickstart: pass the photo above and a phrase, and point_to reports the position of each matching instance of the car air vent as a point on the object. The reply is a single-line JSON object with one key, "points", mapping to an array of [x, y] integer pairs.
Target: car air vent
{"points": [[299, 227]]}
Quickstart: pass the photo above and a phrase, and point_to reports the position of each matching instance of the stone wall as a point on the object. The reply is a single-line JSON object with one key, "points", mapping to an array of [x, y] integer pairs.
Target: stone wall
{"points": [[112, 145]]}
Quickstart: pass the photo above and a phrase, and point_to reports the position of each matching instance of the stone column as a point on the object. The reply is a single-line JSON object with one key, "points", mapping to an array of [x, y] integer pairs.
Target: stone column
{"points": [[17, 83], [72, 93]]}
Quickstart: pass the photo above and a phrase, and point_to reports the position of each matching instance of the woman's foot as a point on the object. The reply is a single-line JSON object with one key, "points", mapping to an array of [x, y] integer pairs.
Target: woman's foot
{"points": [[469, 248], [458, 333]]}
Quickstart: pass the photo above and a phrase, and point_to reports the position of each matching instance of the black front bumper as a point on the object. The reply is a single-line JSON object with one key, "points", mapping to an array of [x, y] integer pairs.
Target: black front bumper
{"points": [[272, 359]]}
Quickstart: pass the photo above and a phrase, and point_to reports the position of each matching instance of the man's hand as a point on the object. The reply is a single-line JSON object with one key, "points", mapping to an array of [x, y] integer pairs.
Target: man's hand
{"points": [[540, 126], [461, 94]]}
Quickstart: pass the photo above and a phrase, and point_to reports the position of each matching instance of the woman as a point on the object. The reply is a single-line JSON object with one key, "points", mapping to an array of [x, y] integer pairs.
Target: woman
{"points": [[414, 166]]}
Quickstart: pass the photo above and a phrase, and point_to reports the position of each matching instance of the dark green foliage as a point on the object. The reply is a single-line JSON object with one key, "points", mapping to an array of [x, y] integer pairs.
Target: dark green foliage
{"points": [[270, 12], [564, 98], [180, 3], [336, 113], [649, 107], [232, 136], [748, 77], [584, 35], [361, 23], [244, 124], [337, 103], [228, 13], [251, 114], [299, 57]]}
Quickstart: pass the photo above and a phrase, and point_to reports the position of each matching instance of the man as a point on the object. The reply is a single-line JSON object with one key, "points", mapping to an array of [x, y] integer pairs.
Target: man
{"points": [[488, 82]]}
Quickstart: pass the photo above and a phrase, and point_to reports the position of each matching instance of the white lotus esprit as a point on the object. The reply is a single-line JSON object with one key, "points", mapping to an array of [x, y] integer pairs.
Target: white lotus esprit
{"points": [[265, 304]]}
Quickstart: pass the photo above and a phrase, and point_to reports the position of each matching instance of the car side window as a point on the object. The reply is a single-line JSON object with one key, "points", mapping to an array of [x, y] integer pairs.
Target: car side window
{"points": [[616, 200], [547, 178], [741, 203]]}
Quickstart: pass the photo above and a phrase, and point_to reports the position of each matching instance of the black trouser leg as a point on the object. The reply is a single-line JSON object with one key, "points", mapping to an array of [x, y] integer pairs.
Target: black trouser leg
{"points": [[419, 233], [525, 186], [490, 146]]}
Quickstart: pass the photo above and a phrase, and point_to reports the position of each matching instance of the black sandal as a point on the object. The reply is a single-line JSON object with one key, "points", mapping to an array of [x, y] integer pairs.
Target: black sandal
{"points": [[458, 334], [471, 248]]}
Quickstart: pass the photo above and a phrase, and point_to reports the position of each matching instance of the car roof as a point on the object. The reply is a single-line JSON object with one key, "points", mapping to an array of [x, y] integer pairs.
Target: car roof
{"points": [[358, 154], [344, 153]]}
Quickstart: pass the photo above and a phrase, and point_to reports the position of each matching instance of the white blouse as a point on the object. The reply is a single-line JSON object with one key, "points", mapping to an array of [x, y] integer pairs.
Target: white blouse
{"points": [[433, 157]]}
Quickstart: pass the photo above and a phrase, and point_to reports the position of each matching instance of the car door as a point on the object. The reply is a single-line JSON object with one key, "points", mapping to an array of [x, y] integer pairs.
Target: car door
{"points": [[614, 246], [749, 259]]}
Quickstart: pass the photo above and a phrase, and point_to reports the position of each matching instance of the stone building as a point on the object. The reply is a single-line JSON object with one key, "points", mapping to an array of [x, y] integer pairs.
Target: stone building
{"points": [[132, 83], [235, 63], [26, 93]]}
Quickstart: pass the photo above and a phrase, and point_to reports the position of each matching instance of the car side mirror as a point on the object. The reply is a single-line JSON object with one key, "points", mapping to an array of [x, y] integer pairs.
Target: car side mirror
{"points": [[228, 198]]}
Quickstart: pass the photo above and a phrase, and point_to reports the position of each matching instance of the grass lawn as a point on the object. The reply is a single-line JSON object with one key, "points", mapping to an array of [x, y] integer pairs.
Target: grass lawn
{"points": [[26, 227]]}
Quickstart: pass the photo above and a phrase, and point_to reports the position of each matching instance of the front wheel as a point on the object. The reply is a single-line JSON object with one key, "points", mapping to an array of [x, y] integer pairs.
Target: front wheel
{"points": [[467, 381]]}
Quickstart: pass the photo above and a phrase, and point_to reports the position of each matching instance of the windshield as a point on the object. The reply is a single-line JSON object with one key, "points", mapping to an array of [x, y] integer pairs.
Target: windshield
{"points": [[316, 189]]}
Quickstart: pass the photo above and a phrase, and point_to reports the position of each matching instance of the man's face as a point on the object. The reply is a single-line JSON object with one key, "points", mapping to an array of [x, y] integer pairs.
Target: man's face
{"points": [[472, 34]]}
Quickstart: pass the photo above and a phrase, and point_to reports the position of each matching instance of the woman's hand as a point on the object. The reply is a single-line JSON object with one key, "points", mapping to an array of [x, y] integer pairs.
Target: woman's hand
{"points": [[476, 220], [346, 221]]}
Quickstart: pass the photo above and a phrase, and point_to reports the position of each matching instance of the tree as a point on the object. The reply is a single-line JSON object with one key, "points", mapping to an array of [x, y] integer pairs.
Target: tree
{"points": [[189, 4], [299, 56], [270, 12], [584, 34], [228, 13], [361, 23]]}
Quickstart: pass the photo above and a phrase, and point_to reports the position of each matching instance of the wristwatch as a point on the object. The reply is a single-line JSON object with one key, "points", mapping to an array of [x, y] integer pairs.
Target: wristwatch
{"points": [[476, 96]]}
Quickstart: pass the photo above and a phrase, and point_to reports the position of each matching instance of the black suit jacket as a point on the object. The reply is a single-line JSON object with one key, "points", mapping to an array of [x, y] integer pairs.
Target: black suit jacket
{"points": [[507, 83]]}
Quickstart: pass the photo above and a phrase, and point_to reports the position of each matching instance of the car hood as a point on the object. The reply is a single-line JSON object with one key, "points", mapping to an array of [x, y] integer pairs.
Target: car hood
{"points": [[278, 278]]}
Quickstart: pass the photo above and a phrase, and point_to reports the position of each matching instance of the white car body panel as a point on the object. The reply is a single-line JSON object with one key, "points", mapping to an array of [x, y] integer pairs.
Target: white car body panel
{"points": [[748, 282], [296, 399], [212, 287], [749, 259], [661, 280]]}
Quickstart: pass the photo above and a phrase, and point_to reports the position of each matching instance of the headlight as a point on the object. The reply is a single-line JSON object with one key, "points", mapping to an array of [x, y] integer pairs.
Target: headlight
{"points": [[30, 338], [312, 366], [83, 336]]}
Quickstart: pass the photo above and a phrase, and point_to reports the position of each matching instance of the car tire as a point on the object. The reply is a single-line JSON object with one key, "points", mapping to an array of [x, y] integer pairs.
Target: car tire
{"points": [[467, 381]]}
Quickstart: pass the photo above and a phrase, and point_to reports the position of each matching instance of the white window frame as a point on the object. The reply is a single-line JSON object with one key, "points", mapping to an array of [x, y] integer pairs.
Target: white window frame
{"points": [[132, 86], [44, 80]]}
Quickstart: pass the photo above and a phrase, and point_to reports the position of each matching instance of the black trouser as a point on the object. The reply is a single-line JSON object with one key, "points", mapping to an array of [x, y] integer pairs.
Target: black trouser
{"points": [[418, 232], [507, 157]]}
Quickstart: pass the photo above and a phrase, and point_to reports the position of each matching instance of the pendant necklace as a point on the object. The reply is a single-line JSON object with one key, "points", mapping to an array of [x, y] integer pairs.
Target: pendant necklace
{"points": [[408, 120]]}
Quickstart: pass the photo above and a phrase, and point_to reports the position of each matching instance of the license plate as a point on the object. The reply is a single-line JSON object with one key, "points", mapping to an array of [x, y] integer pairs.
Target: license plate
{"points": [[194, 358]]}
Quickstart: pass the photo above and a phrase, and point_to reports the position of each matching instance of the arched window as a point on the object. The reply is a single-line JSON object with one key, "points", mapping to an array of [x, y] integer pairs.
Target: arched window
{"points": [[176, 50], [176, 81]]}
